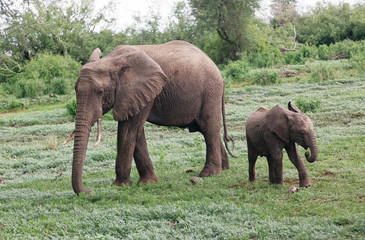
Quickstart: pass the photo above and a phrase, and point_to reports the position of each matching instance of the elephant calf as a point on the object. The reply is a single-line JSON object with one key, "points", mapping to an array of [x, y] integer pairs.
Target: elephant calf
{"points": [[269, 131]]}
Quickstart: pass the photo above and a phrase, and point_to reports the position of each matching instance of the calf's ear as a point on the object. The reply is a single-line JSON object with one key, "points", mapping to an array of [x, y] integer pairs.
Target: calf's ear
{"points": [[292, 107], [278, 123]]}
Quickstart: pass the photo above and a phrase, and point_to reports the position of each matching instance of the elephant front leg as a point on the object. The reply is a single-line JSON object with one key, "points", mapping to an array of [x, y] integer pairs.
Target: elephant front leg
{"points": [[143, 161], [125, 147], [294, 156]]}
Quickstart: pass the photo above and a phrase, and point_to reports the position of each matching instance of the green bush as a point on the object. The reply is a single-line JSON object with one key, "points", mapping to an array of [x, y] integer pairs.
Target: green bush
{"points": [[308, 51], [268, 57], [45, 74], [323, 52], [26, 87], [71, 108], [236, 70], [308, 105], [322, 72], [263, 77], [293, 57]]}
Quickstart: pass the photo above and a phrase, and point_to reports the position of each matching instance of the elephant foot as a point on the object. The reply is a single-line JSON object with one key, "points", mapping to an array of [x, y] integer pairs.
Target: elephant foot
{"points": [[122, 182], [210, 170], [277, 181], [150, 178], [86, 192], [252, 179], [225, 166], [305, 183]]}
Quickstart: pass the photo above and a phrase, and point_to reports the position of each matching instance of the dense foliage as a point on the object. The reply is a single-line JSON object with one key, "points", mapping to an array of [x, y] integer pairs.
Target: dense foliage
{"points": [[228, 31]]}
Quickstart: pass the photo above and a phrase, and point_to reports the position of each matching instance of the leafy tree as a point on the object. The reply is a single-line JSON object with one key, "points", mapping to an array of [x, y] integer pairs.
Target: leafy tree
{"points": [[325, 25], [230, 19], [283, 12], [59, 27], [181, 24]]}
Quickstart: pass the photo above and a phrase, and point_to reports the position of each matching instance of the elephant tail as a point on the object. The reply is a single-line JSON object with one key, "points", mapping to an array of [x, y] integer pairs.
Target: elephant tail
{"points": [[226, 138]]}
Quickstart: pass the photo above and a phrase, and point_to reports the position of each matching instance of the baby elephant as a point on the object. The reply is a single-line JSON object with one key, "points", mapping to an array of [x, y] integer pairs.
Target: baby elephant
{"points": [[269, 131]]}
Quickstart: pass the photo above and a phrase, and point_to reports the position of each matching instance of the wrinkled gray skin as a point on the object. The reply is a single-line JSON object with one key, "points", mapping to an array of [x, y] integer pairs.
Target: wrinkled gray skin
{"points": [[172, 84], [269, 131]]}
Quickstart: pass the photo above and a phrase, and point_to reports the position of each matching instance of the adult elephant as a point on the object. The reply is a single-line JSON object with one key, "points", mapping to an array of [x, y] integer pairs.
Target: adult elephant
{"points": [[172, 84]]}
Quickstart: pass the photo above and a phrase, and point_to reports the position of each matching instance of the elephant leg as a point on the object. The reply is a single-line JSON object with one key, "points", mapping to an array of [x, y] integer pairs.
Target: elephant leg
{"points": [[225, 160], [129, 132], [271, 169], [294, 156], [210, 128], [276, 168], [143, 161], [213, 162], [252, 158]]}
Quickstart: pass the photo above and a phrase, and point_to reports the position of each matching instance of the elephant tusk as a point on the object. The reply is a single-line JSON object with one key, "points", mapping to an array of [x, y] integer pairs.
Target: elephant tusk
{"points": [[98, 138], [69, 138]]}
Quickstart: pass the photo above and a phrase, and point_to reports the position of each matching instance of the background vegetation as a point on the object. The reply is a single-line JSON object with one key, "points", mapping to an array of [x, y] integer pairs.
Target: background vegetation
{"points": [[43, 45]]}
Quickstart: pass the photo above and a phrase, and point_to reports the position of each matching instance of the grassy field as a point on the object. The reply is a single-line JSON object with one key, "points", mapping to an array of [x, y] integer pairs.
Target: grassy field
{"points": [[37, 201]]}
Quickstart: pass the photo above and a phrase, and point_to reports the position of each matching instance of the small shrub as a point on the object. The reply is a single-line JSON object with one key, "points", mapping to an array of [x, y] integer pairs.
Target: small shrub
{"points": [[309, 51], [322, 72], [14, 104], [71, 108], [45, 74], [293, 57], [264, 77], [52, 143], [308, 105], [266, 58], [323, 52], [236, 70], [358, 62], [28, 87]]}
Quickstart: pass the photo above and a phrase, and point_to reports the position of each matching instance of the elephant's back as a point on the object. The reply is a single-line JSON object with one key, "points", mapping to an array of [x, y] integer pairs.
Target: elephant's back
{"points": [[255, 121], [176, 56]]}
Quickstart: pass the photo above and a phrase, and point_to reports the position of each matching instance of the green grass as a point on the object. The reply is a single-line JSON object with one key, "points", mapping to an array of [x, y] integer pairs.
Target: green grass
{"points": [[37, 201]]}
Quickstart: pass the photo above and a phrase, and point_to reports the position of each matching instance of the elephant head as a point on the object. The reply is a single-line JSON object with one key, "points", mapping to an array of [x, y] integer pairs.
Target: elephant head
{"points": [[126, 81], [293, 125]]}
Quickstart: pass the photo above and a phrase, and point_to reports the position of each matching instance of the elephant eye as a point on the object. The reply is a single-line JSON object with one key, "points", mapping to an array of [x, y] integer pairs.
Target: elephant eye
{"points": [[99, 93]]}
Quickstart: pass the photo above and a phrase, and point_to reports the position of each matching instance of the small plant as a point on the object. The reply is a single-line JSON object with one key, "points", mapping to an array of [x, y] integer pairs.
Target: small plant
{"points": [[322, 72], [264, 77], [71, 108], [309, 105], [236, 70], [52, 143], [45, 74]]}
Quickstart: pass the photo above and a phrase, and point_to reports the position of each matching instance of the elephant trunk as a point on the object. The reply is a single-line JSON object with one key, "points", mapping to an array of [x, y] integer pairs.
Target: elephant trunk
{"points": [[312, 156], [82, 133]]}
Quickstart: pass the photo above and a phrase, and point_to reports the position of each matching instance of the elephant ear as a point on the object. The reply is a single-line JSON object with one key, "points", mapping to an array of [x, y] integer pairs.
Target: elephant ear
{"points": [[96, 55], [278, 122], [292, 107], [139, 80]]}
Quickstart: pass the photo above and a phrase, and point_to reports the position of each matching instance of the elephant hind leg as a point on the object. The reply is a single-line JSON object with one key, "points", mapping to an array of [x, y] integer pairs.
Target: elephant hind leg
{"points": [[252, 158], [275, 169], [213, 162], [225, 160]]}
